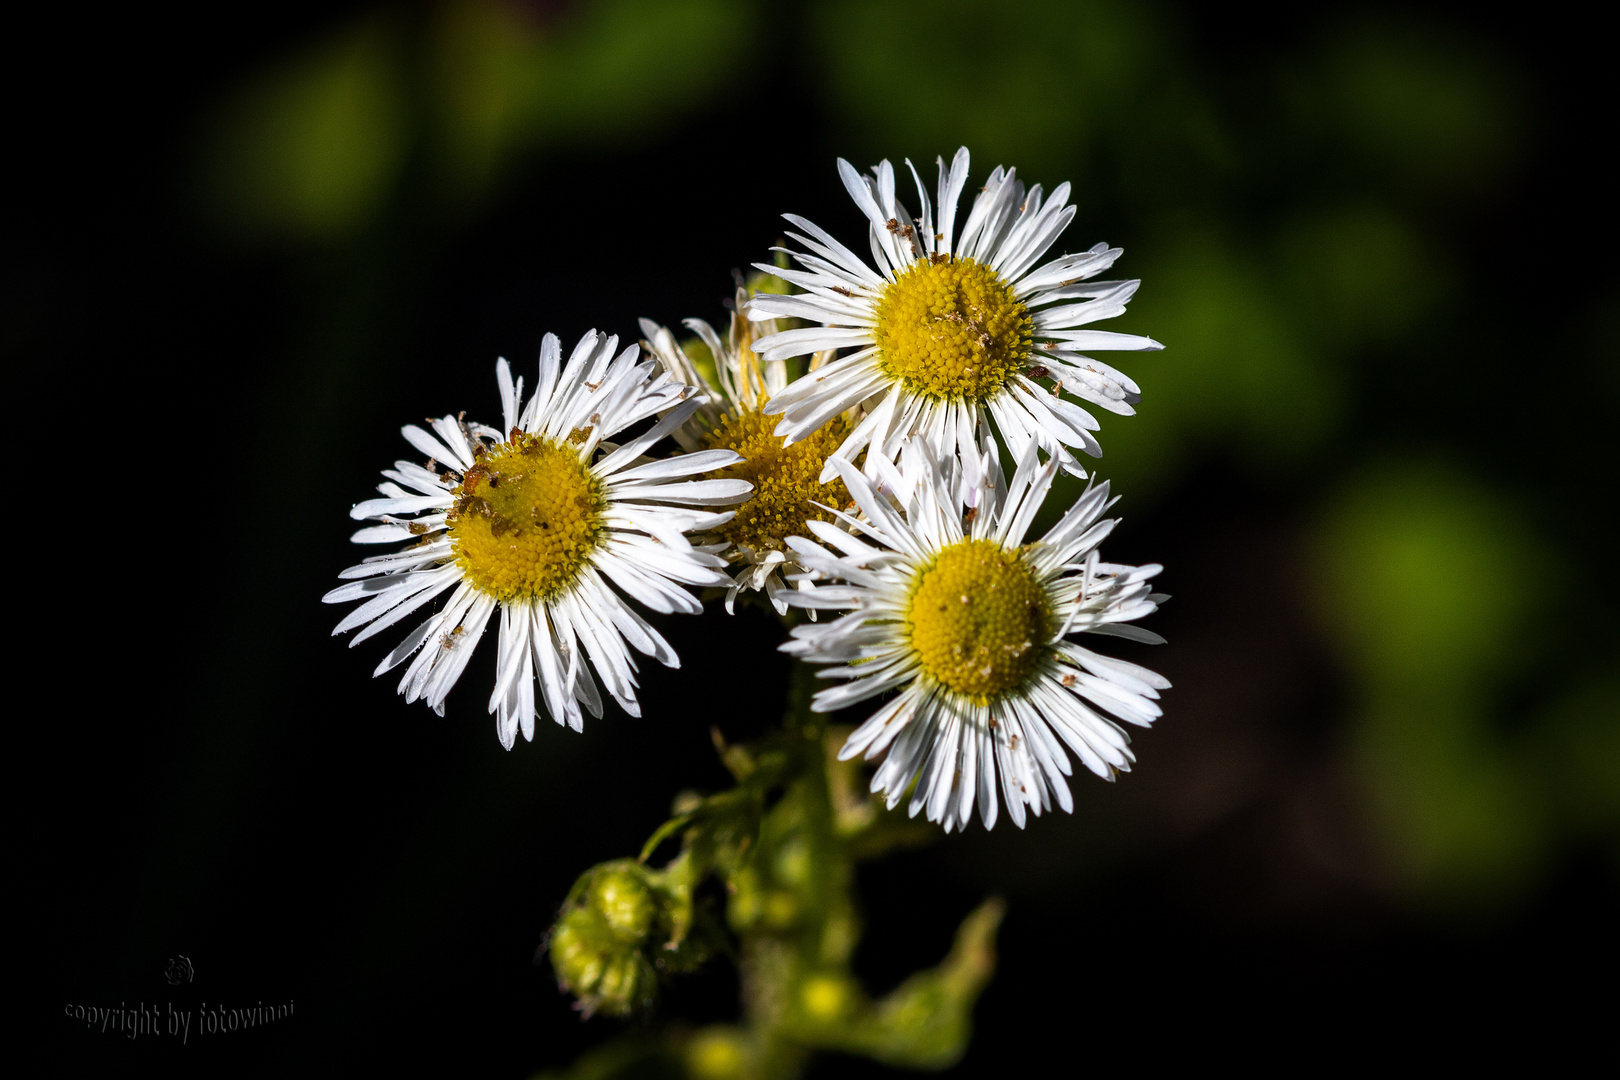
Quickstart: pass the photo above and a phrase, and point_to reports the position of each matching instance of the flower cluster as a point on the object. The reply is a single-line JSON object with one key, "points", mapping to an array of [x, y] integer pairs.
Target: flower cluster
{"points": [[840, 451]]}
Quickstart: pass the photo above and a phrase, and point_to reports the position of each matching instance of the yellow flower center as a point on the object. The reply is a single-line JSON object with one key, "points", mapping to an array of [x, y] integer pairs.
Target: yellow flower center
{"points": [[526, 518], [785, 478], [952, 329], [978, 620]]}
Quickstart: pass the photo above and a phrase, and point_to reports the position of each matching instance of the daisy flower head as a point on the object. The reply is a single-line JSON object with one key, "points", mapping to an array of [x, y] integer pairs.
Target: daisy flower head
{"points": [[547, 524], [952, 331], [789, 486], [972, 628]]}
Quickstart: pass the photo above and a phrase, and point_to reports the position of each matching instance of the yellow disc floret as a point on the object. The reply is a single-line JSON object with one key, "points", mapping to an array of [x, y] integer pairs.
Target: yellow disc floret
{"points": [[952, 329], [526, 518], [785, 478], [979, 619]]}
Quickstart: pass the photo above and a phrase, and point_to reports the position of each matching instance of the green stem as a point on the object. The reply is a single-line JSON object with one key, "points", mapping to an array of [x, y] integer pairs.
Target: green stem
{"points": [[801, 853]]}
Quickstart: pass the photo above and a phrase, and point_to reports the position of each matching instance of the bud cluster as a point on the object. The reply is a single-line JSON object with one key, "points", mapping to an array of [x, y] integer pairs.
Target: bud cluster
{"points": [[600, 944]]}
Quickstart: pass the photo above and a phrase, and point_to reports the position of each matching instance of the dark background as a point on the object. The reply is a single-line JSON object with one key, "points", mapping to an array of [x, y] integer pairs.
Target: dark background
{"points": [[1382, 809]]}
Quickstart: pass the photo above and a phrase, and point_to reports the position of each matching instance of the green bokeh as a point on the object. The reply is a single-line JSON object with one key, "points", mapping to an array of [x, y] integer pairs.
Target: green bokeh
{"points": [[312, 147], [1434, 591], [1426, 579], [920, 78], [1424, 108], [505, 83]]}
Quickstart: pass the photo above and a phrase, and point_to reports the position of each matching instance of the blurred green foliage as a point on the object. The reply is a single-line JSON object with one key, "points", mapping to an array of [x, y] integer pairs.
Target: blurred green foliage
{"points": [[1428, 584], [311, 148], [1431, 584], [1430, 109], [1357, 276], [505, 82], [1576, 738], [1028, 82], [315, 146], [1252, 383]]}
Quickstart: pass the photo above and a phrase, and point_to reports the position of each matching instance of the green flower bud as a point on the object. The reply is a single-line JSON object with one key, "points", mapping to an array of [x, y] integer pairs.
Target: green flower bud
{"points": [[580, 946], [781, 910], [619, 894], [792, 866], [828, 997], [716, 1053], [597, 967], [600, 944], [745, 908], [629, 983]]}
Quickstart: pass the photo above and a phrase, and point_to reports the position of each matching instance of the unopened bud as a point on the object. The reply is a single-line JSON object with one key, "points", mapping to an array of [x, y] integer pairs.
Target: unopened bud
{"points": [[716, 1053], [826, 998], [600, 945], [619, 894], [629, 983], [596, 966]]}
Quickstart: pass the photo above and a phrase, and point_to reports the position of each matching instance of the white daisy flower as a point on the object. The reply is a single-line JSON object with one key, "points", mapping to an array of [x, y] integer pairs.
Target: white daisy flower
{"points": [[535, 521], [971, 626], [952, 331], [789, 487]]}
